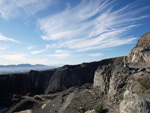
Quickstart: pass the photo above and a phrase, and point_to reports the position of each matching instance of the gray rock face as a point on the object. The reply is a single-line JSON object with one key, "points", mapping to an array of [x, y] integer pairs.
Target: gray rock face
{"points": [[141, 53], [69, 76], [133, 103], [77, 75], [111, 80], [102, 78], [144, 41]]}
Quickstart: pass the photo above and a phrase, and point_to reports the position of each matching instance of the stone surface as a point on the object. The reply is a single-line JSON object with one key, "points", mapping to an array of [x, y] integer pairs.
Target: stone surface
{"points": [[111, 80], [139, 55], [133, 103], [141, 52], [102, 78], [91, 111], [144, 41]]}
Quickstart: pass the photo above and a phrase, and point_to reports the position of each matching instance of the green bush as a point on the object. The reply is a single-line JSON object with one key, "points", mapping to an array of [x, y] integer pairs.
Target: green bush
{"points": [[98, 108]]}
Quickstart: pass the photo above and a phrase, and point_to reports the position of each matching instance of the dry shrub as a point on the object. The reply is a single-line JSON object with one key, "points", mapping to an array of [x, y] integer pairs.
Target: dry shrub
{"points": [[138, 79], [138, 91], [17, 95], [145, 83], [37, 97]]}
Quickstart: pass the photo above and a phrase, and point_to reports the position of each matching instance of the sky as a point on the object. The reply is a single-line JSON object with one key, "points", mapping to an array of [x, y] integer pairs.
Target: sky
{"points": [[58, 32]]}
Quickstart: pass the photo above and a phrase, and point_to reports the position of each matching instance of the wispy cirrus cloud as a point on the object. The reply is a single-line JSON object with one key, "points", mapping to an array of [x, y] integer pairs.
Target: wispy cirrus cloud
{"points": [[12, 8], [37, 52], [92, 25], [3, 47], [30, 47], [61, 54], [2, 37], [96, 54]]}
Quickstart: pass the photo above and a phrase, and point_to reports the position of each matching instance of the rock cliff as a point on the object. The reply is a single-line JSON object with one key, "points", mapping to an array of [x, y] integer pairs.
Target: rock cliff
{"points": [[141, 52]]}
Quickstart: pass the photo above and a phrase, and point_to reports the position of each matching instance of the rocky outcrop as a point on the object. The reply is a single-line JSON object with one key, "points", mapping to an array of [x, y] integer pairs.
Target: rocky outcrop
{"points": [[144, 41], [111, 80], [68, 76], [133, 103], [102, 77], [141, 52], [139, 55]]}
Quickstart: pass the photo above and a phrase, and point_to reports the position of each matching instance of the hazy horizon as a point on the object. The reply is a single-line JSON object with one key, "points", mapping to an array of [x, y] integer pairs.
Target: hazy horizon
{"points": [[59, 32]]}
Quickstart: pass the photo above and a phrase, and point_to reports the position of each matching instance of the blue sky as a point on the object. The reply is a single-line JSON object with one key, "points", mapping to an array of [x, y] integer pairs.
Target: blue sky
{"points": [[56, 32]]}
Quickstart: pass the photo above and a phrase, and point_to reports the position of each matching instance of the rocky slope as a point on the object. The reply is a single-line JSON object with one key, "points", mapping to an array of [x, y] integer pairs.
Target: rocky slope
{"points": [[120, 84], [50, 81]]}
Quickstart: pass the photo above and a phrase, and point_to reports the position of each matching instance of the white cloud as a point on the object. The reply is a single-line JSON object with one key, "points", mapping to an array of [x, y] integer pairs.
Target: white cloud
{"points": [[12, 8], [37, 61], [96, 54], [13, 57], [91, 25], [3, 47], [37, 52], [58, 51], [30, 47], [7, 39], [20, 58], [47, 46], [60, 55]]}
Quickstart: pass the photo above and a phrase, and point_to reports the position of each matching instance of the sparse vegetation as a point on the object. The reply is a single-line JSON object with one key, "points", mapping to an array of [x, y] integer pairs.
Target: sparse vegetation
{"points": [[98, 108], [138, 79], [121, 96], [81, 110], [129, 72], [144, 82], [138, 91]]}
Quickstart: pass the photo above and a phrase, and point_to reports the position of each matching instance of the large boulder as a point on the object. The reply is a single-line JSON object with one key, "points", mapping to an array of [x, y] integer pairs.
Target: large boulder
{"points": [[133, 103]]}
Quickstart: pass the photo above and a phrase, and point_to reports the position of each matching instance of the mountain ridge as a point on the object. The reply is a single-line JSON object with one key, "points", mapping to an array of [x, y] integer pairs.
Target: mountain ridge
{"points": [[115, 83], [21, 65]]}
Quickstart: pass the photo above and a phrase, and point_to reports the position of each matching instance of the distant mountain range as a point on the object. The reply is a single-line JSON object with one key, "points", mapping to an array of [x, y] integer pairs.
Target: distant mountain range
{"points": [[21, 68]]}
